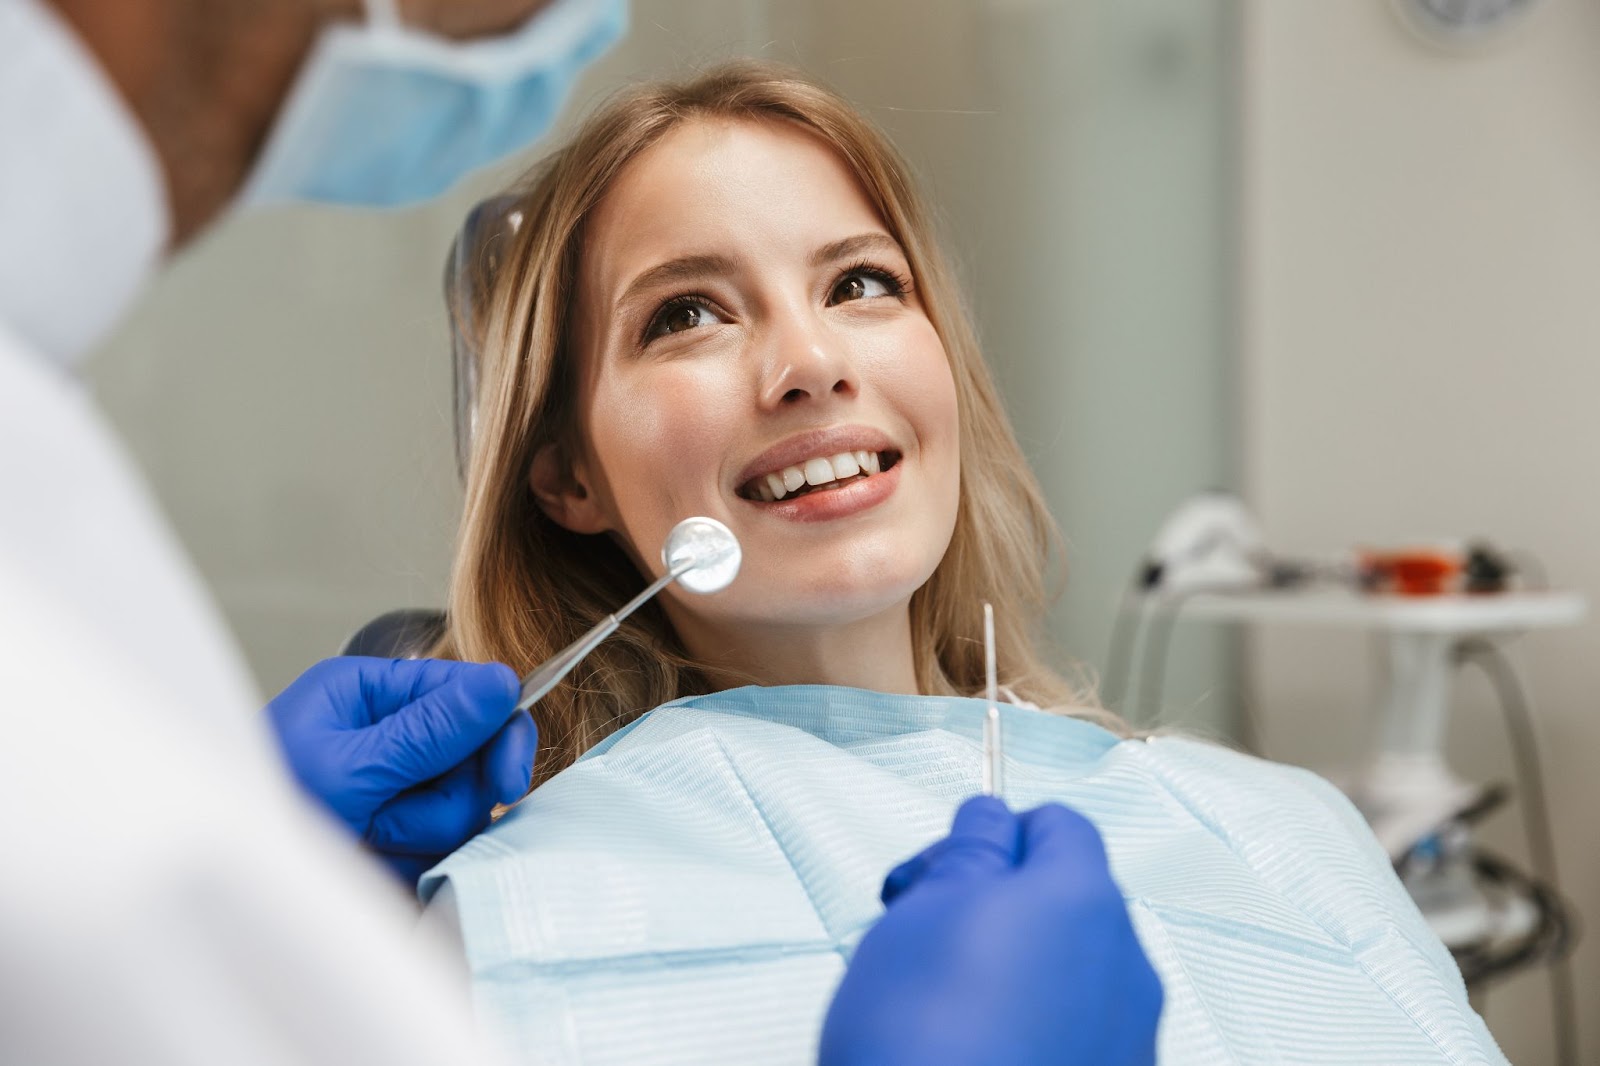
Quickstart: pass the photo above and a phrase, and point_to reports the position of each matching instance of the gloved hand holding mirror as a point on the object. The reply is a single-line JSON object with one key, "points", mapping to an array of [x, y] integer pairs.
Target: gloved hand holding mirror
{"points": [[411, 755]]}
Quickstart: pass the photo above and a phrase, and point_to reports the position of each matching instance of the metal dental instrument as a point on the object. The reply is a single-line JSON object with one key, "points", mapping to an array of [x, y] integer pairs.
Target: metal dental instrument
{"points": [[992, 783], [701, 554]]}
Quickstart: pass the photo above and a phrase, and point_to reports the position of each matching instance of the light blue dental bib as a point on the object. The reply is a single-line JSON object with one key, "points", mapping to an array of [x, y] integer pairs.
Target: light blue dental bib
{"points": [[690, 891]]}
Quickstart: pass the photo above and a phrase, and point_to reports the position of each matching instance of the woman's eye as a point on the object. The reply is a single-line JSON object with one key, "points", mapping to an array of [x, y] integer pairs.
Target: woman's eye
{"points": [[681, 316], [860, 285]]}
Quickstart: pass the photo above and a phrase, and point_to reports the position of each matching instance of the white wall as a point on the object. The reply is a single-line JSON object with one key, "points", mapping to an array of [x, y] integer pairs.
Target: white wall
{"points": [[1105, 292], [1422, 327]]}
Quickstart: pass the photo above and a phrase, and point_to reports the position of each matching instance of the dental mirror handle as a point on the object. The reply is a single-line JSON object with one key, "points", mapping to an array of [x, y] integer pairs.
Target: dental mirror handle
{"points": [[548, 674]]}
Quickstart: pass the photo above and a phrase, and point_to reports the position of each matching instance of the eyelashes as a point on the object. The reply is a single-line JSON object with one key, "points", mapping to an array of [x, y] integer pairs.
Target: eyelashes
{"points": [[677, 314], [895, 284], [687, 311]]}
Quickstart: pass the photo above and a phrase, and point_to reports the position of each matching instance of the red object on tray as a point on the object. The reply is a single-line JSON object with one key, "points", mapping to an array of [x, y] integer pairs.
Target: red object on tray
{"points": [[1412, 572]]}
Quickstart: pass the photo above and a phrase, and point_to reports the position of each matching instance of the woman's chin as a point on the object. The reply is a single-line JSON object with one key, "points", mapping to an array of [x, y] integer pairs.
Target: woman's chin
{"points": [[824, 604]]}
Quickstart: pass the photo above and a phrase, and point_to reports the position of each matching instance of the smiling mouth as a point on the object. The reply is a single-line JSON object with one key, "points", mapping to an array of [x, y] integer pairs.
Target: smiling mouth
{"points": [[820, 474]]}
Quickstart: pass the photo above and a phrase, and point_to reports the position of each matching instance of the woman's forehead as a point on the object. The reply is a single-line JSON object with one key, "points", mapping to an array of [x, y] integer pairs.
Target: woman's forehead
{"points": [[737, 188]]}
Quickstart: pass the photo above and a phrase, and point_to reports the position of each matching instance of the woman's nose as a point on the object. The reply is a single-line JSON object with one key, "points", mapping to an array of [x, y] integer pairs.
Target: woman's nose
{"points": [[805, 364]]}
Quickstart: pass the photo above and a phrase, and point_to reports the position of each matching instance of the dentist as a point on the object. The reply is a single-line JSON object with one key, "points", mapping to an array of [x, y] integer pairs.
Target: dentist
{"points": [[168, 895]]}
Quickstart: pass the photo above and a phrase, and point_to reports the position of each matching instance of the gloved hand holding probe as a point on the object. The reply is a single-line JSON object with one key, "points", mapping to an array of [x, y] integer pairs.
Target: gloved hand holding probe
{"points": [[412, 755], [1005, 943]]}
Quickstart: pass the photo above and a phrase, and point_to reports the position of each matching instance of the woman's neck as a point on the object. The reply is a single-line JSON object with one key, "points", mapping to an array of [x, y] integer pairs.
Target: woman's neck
{"points": [[872, 653]]}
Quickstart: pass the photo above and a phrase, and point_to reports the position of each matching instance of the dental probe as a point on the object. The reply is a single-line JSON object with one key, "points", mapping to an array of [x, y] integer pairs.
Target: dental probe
{"points": [[700, 553], [992, 783]]}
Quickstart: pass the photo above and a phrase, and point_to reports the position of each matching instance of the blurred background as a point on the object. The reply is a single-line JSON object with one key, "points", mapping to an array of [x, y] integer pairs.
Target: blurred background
{"points": [[1313, 252]]}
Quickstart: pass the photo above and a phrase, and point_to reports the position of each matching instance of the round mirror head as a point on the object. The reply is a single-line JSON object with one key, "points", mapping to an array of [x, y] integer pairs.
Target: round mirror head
{"points": [[710, 549]]}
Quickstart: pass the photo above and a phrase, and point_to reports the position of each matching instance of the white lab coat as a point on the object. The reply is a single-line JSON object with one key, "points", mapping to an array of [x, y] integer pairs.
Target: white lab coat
{"points": [[165, 895]]}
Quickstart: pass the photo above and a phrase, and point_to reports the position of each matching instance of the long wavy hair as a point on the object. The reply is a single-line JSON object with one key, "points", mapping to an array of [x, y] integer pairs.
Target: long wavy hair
{"points": [[523, 587]]}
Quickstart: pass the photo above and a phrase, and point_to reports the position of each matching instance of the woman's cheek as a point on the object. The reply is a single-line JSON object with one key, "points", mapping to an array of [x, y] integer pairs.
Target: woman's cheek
{"points": [[670, 429], [922, 379]]}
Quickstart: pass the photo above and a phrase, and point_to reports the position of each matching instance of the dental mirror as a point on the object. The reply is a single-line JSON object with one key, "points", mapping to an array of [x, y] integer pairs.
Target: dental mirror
{"points": [[701, 554], [709, 549]]}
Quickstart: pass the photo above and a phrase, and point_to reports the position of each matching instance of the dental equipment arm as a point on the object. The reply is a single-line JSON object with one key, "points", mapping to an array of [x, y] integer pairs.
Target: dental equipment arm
{"points": [[1006, 942]]}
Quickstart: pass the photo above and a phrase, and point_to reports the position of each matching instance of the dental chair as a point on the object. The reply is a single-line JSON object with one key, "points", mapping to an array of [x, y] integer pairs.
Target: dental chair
{"points": [[469, 274], [404, 634]]}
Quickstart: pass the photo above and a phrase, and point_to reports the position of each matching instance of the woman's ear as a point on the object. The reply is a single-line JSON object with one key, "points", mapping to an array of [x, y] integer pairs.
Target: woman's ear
{"points": [[562, 494]]}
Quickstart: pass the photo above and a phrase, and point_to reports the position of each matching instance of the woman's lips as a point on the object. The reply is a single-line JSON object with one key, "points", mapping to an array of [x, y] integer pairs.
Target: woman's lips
{"points": [[820, 472], [849, 498], [814, 444]]}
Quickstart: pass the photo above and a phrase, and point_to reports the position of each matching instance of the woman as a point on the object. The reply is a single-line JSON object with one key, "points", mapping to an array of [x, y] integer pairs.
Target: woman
{"points": [[724, 300]]}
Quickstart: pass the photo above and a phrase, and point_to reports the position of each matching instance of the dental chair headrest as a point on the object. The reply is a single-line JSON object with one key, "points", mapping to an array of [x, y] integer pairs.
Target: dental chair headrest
{"points": [[469, 273]]}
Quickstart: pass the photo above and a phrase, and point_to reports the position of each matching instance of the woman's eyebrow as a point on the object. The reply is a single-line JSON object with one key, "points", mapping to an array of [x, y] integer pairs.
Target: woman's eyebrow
{"points": [[853, 246], [684, 268]]}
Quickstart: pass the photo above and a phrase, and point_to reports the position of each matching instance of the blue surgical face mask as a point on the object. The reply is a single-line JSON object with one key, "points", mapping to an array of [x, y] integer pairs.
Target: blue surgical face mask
{"points": [[385, 116]]}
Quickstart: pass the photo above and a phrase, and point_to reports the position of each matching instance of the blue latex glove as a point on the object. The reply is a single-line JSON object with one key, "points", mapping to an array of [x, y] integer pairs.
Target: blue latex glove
{"points": [[411, 754], [1005, 944]]}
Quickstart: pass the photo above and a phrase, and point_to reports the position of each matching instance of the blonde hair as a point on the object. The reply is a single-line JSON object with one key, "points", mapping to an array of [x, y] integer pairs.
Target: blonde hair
{"points": [[523, 587]]}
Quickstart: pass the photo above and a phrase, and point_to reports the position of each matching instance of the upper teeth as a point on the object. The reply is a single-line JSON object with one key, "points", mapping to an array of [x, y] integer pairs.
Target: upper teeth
{"points": [[819, 471]]}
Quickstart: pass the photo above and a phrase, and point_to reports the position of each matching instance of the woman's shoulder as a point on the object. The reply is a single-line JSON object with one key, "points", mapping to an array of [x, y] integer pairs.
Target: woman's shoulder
{"points": [[1238, 785], [1301, 835], [1292, 813]]}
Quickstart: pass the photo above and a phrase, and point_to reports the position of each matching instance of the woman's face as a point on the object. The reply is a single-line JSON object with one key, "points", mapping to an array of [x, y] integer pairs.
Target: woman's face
{"points": [[751, 347]]}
